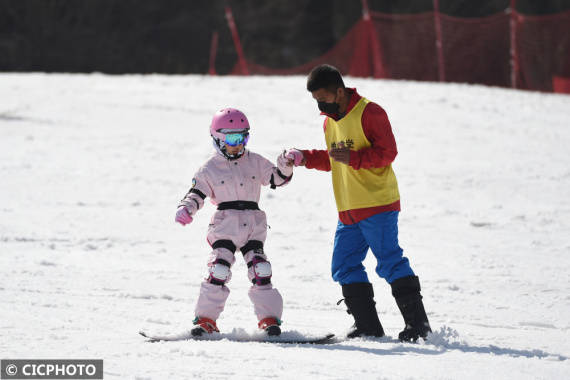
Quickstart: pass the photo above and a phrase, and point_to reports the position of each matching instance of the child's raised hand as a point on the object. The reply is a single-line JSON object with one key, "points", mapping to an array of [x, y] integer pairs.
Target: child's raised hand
{"points": [[295, 156], [284, 164], [183, 216]]}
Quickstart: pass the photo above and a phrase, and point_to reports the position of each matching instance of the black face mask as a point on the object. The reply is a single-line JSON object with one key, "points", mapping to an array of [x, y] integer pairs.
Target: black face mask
{"points": [[330, 108]]}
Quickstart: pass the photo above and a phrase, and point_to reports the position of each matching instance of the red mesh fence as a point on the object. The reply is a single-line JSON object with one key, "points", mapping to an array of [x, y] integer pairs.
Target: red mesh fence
{"points": [[543, 46], [408, 49], [509, 50], [477, 50], [349, 55]]}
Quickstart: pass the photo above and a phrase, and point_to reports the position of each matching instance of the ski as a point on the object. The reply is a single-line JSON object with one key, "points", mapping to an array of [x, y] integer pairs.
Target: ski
{"points": [[283, 338]]}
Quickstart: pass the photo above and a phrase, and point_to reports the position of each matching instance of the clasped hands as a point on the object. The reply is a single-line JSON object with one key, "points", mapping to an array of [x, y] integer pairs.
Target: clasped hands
{"points": [[296, 157]]}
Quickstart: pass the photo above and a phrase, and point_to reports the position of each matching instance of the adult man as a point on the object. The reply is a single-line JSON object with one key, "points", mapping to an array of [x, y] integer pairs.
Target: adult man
{"points": [[360, 150]]}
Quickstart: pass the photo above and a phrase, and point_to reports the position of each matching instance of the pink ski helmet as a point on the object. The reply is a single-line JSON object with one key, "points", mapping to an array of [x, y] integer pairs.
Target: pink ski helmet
{"points": [[228, 121]]}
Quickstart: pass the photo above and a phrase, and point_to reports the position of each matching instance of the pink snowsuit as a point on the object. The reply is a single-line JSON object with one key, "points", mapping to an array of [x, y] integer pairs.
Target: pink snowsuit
{"points": [[226, 180]]}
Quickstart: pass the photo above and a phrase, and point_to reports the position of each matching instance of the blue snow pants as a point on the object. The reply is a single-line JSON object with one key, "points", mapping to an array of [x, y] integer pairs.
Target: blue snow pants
{"points": [[379, 233]]}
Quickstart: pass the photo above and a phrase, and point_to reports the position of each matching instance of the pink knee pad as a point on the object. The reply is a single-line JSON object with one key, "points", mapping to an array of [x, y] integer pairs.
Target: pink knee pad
{"points": [[261, 270], [219, 272]]}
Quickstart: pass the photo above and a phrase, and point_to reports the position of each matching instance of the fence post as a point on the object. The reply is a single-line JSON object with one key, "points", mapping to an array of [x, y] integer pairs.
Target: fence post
{"points": [[237, 43], [213, 50], [377, 64], [438, 42], [514, 53], [365, 10]]}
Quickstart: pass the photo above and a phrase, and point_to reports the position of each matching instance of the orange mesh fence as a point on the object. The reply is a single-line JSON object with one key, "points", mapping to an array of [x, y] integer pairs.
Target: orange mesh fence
{"points": [[504, 49]]}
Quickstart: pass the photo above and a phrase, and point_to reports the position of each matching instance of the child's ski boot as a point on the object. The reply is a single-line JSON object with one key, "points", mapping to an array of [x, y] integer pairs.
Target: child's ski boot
{"points": [[203, 325], [271, 326]]}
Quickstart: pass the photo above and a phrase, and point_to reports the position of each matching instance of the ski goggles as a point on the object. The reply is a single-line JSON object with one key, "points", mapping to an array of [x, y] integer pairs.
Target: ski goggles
{"points": [[235, 139]]}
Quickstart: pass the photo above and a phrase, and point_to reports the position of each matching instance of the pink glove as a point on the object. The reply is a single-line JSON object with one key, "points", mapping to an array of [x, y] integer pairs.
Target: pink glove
{"points": [[295, 156], [183, 216], [285, 165]]}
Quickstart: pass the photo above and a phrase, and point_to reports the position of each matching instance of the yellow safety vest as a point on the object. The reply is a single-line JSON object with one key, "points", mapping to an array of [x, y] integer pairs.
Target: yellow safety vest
{"points": [[362, 188]]}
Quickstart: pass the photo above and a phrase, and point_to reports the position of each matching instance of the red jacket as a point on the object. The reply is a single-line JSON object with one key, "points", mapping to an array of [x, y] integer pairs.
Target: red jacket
{"points": [[383, 151]]}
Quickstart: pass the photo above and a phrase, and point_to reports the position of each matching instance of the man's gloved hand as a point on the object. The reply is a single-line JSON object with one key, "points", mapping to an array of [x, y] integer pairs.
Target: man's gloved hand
{"points": [[183, 216], [340, 155], [295, 156]]}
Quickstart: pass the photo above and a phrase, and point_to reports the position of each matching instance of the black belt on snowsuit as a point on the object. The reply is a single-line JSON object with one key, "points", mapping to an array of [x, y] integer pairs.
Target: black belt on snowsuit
{"points": [[238, 205]]}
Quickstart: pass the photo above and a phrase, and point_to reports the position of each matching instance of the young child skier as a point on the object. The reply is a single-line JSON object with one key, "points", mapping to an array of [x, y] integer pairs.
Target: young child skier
{"points": [[232, 178]]}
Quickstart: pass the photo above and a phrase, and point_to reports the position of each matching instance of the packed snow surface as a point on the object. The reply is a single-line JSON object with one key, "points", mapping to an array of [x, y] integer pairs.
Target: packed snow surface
{"points": [[92, 168]]}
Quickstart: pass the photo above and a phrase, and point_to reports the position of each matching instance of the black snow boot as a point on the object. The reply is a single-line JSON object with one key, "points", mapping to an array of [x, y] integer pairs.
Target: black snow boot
{"points": [[359, 299], [406, 291]]}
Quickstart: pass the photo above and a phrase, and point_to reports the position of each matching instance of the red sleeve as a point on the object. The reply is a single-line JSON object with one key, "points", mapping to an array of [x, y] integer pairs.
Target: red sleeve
{"points": [[378, 131], [317, 159]]}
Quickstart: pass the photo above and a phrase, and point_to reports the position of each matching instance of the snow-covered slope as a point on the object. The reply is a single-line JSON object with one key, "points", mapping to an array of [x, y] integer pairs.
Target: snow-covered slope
{"points": [[92, 168]]}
